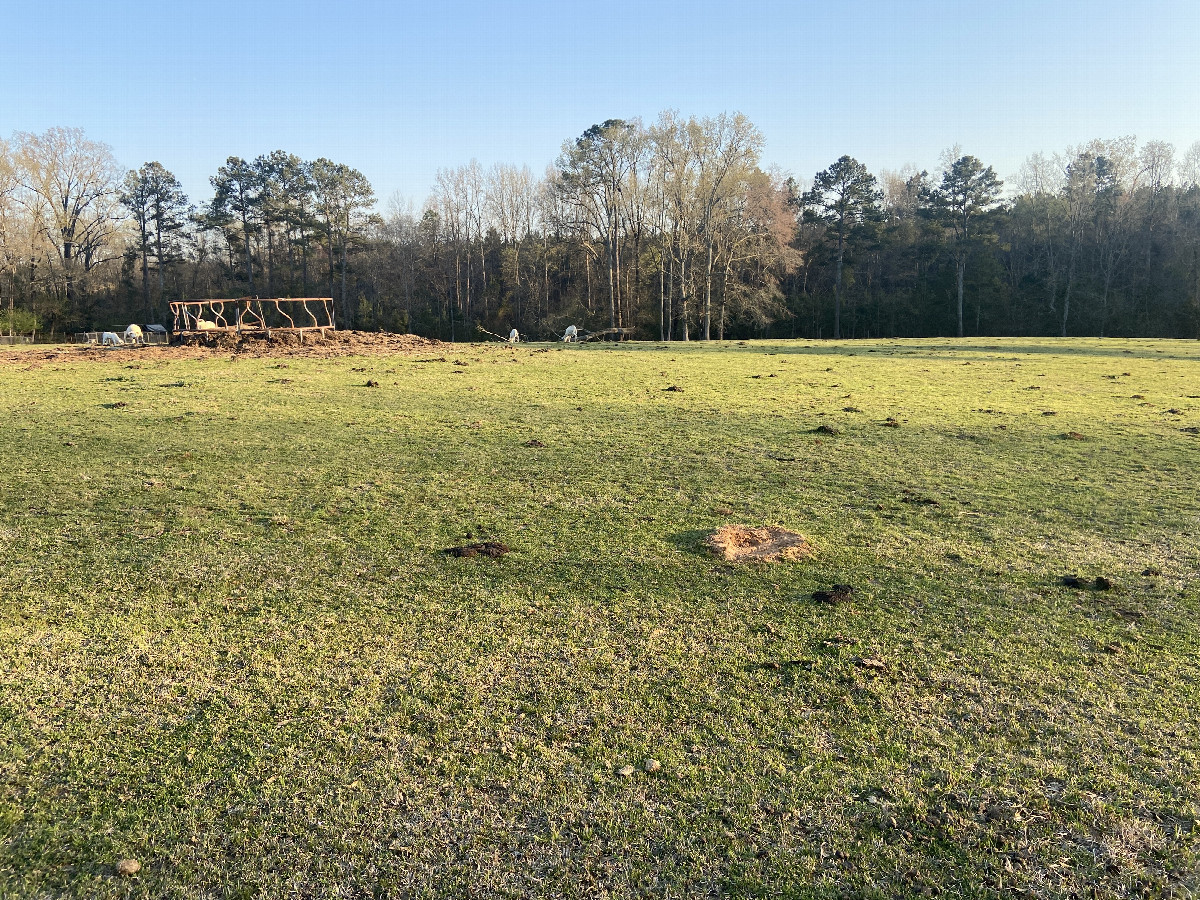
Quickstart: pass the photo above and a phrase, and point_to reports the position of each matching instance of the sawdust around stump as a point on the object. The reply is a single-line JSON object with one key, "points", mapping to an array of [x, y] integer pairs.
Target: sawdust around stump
{"points": [[769, 543]]}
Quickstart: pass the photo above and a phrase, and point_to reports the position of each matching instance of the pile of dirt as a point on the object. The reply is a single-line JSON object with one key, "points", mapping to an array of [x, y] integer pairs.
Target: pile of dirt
{"points": [[769, 543], [320, 344], [310, 343], [490, 549]]}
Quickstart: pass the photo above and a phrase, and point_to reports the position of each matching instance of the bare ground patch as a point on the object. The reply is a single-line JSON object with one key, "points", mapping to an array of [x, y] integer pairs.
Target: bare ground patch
{"points": [[769, 543]]}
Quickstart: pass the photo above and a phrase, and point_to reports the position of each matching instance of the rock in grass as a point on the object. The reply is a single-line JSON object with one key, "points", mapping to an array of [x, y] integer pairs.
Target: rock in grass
{"points": [[128, 867]]}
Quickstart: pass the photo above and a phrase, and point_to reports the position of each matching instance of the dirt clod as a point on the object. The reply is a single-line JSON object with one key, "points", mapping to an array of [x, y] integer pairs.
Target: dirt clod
{"points": [[825, 429], [737, 543], [1073, 436], [653, 765], [371, 382], [890, 422], [1073, 581], [1102, 584], [839, 593], [533, 442], [625, 771], [491, 549], [128, 867], [676, 389], [1151, 571]]}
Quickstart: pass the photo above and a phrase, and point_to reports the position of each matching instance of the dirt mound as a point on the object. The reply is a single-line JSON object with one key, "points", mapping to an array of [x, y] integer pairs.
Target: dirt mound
{"points": [[277, 343], [311, 343], [736, 543], [491, 549]]}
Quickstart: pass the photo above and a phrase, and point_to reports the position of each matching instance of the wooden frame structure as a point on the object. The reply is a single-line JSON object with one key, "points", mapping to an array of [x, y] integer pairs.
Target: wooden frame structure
{"points": [[252, 314]]}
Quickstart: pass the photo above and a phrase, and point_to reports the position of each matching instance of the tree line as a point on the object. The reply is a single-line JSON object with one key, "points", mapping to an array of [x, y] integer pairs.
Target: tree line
{"points": [[670, 231]]}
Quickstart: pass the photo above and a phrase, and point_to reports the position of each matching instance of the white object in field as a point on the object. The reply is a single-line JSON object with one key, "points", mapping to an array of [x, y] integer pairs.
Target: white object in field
{"points": [[205, 325], [111, 339], [133, 334], [513, 337], [571, 334]]}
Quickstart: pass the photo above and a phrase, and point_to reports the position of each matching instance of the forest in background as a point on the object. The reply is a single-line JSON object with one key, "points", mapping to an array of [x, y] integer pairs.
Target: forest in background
{"points": [[672, 230]]}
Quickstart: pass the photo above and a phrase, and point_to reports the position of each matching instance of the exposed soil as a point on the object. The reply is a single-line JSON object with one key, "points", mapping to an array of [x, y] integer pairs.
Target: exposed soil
{"points": [[839, 593], [277, 343], [490, 549], [1099, 583], [768, 543]]}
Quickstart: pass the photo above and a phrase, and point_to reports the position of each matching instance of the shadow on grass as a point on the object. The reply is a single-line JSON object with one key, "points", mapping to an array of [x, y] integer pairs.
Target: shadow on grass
{"points": [[691, 542], [1135, 348]]}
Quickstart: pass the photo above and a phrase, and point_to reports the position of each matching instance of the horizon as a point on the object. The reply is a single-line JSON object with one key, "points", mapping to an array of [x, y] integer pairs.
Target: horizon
{"points": [[870, 83]]}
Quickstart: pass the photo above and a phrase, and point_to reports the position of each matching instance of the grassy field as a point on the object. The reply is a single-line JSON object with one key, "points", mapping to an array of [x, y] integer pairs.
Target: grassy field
{"points": [[232, 648]]}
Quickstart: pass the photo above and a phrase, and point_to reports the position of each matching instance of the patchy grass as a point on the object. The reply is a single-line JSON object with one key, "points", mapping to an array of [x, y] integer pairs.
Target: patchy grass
{"points": [[232, 648]]}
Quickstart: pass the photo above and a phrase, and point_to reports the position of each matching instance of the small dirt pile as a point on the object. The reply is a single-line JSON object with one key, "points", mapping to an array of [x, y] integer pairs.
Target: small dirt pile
{"points": [[490, 549], [768, 543]]}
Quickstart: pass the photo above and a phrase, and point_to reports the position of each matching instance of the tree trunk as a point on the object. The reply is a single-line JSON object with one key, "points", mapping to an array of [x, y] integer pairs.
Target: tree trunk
{"points": [[159, 254], [1067, 295], [724, 294], [345, 306], [249, 257], [270, 263], [662, 293], [962, 267], [708, 294], [145, 268], [837, 290], [612, 285], [683, 297]]}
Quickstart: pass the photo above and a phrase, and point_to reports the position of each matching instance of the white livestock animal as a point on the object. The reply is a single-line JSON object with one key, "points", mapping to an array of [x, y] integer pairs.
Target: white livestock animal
{"points": [[133, 334], [111, 339], [513, 336], [571, 334], [205, 325]]}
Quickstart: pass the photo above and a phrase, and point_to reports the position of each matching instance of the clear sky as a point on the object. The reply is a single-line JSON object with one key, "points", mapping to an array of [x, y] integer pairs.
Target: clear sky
{"points": [[398, 90]]}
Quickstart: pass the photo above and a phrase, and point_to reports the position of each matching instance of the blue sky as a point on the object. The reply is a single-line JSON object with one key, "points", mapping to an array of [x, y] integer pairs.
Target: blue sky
{"points": [[398, 90]]}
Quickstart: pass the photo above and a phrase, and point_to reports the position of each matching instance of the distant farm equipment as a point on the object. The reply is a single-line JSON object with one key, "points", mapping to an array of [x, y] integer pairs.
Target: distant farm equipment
{"points": [[252, 314]]}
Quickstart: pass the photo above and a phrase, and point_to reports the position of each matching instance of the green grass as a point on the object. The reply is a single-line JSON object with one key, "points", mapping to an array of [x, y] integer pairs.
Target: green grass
{"points": [[230, 645]]}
